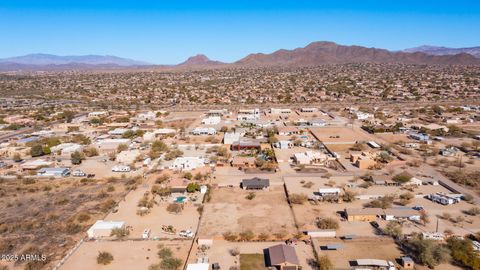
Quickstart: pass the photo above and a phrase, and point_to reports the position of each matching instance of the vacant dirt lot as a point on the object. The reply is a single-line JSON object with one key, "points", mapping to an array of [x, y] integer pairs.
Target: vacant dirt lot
{"points": [[230, 211], [126, 254], [52, 215]]}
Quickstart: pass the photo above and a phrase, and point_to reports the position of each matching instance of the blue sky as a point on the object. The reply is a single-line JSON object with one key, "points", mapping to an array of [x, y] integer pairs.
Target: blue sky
{"points": [[167, 32]]}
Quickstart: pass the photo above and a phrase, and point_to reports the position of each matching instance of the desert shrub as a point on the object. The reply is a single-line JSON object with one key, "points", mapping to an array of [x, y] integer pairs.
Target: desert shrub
{"points": [[247, 235], [263, 236], [394, 229], [474, 211], [175, 208], [327, 224], [250, 196], [104, 258], [384, 202], [120, 232], [296, 198], [402, 178], [349, 196], [324, 263], [463, 253], [229, 236]]}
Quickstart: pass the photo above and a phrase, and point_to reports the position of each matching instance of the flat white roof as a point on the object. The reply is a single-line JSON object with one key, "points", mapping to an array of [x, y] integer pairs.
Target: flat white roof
{"points": [[373, 262], [198, 266], [102, 224]]}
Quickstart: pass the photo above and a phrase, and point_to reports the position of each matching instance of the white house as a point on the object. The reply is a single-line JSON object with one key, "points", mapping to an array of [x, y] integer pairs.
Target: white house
{"points": [[150, 115], [67, 148], [231, 137], [283, 144], [204, 131], [248, 114], [329, 191], [53, 172], [103, 228], [120, 168], [211, 120], [97, 114], [310, 157], [187, 163], [445, 199], [280, 111]]}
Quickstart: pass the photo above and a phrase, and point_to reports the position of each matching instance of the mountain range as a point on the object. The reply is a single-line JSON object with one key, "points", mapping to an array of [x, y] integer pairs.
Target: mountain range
{"points": [[436, 50], [316, 53]]}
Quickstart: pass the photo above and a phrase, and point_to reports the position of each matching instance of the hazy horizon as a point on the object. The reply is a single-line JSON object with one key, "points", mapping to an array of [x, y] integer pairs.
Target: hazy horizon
{"points": [[169, 33]]}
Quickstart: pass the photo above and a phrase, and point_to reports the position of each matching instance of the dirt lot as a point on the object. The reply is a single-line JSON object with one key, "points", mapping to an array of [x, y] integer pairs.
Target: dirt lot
{"points": [[126, 254], [220, 252], [328, 135], [360, 248], [230, 211], [52, 215]]}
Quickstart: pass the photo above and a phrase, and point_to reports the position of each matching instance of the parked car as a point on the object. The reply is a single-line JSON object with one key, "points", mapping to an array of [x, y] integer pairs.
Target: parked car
{"points": [[186, 233]]}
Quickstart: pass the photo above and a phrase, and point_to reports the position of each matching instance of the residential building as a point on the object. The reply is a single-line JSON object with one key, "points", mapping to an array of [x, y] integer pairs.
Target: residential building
{"points": [[187, 163], [255, 183], [53, 172], [283, 257], [103, 228]]}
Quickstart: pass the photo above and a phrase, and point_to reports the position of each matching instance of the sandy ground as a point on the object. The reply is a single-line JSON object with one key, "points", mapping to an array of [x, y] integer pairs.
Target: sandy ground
{"points": [[229, 210], [345, 135], [126, 254], [220, 252], [127, 209], [360, 248]]}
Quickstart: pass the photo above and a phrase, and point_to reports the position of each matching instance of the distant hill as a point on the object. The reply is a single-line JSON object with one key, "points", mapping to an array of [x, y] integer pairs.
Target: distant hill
{"points": [[436, 50], [324, 52], [50, 59], [199, 60]]}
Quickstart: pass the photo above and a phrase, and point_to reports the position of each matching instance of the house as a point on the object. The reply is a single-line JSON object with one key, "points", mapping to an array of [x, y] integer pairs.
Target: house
{"points": [[445, 199], [109, 146], [248, 114], [150, 115], [245, 145], [97, 114], [363, 214], [449, 151], [53, 172], [419, 137], [283, 144], [120, 168], [67, 148], [118, 131], [219, 113], [280, 111], [329, 191], [401, 213], [287, 131], [35, 164], [308, 110], [282, 257], [204, 131], [433, 236], [231, 137], [178, 185], [415, 181], [243, 162], [103, 228], [211, 120], [187, 163], [310, 158], [373, 144], [255, 183]]}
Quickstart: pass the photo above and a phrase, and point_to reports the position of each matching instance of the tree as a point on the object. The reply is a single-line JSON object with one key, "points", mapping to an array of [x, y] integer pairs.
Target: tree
{"points": [[122, 147], [192, 187], [77, 157], [393, 229], [36, 150], [429, 252], [170, 264], [104, 258], [462, 252], [424, 218], [90, 151], [402, 178], [120, 232], [349, 196], [246, 235]]}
